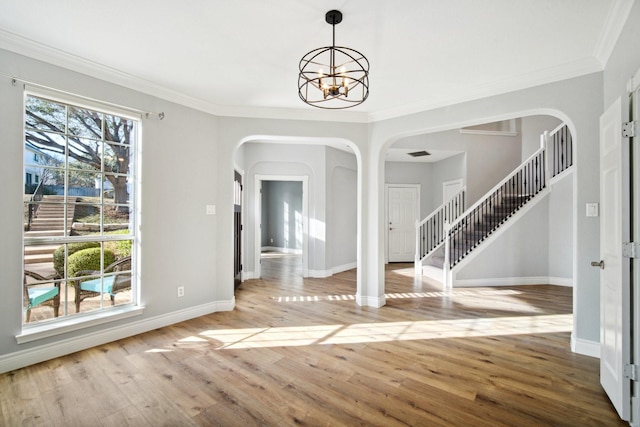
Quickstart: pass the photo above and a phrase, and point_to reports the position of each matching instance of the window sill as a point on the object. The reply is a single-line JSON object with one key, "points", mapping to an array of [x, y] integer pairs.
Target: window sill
{"points": [[74, 323]]}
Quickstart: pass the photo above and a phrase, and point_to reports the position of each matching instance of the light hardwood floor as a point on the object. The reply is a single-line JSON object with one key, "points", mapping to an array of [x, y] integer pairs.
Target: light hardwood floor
{"points": [[302, 352]]}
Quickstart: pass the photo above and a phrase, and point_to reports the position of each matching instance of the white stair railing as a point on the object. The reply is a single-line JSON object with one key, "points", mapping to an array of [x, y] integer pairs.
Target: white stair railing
{"points": [[430, 231], [461, 231]]}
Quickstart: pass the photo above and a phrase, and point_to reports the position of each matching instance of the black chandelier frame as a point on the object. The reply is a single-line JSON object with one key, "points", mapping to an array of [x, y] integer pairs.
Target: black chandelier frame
{"points": [[348, 74]]}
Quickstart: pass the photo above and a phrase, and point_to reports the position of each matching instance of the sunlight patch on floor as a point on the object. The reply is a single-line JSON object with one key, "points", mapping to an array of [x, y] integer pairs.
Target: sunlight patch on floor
{"points": [[384, 332]]}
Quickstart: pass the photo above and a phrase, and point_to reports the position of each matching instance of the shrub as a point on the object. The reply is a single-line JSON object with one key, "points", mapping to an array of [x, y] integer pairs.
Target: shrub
{"points": [[58, 255], [122, 248], [88, 259]]}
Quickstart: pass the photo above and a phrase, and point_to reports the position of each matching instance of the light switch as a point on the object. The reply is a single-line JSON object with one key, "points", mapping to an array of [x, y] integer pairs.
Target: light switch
{"points": [[211, 209], [592, 209]]}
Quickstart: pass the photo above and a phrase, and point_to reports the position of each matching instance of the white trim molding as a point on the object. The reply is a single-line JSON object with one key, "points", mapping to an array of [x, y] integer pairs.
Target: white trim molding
{"points": [[585, 347], [63, 347]]}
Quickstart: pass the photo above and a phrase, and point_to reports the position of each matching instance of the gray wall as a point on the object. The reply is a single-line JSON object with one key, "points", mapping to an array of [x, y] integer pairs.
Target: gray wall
{"points": [[282, 214], [454, 167], [332, 200], [413, 173], [531, 128], [182, 245], [342, 210], [489, 158]]}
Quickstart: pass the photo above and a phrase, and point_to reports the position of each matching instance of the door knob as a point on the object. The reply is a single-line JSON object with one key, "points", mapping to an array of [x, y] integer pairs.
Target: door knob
{"points": [[598, 264]]}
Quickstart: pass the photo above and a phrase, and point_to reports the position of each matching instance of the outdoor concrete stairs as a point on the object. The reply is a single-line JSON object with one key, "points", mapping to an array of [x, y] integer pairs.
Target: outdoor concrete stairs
{"points": [[48, 222]]}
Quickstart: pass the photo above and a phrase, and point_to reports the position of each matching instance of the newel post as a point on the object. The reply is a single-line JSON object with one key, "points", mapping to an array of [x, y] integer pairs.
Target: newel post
{"points": [[446, 267], [544, 144], [417, 263]]}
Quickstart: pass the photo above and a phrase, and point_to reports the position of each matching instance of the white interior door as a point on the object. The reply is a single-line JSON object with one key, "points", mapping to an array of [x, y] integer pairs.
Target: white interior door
{"points": [[402, 215], [615, 319]]}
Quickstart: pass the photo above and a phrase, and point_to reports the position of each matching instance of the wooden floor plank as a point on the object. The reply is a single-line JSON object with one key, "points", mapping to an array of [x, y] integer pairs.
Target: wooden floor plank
{"points": [[301, 352]]}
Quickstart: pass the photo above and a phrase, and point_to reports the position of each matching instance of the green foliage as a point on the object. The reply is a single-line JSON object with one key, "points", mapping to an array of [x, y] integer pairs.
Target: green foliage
{"points": [[58, 254], [89, 259], [122, 248]]}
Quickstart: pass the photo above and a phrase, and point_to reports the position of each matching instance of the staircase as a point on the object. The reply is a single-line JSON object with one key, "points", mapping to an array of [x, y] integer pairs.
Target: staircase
{"points": [[447, 236], [47, 221]]}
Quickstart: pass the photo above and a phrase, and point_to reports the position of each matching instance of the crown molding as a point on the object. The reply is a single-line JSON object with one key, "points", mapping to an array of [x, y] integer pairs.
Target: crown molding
{"points": [[564, 71], [38, 51], [614, 23]]}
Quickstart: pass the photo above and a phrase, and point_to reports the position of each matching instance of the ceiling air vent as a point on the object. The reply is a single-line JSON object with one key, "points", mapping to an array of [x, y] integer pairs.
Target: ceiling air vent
{"points": [[419, 153]]}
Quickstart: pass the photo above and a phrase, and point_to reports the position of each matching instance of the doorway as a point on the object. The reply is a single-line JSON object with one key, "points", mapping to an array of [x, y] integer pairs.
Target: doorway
{"points": [[281, 218], [403, 211]]}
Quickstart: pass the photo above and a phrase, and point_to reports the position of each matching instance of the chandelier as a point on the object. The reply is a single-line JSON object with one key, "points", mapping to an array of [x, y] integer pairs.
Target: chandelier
{"points": [[333, 77]]}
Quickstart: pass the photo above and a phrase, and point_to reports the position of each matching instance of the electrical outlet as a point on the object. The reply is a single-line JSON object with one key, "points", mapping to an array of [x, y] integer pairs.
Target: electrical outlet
{"points": [[180, 291]]}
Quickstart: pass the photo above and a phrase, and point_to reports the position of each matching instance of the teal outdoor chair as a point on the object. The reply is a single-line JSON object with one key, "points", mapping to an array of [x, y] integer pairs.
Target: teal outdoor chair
{"points": [[112, 282], [36, 294]]}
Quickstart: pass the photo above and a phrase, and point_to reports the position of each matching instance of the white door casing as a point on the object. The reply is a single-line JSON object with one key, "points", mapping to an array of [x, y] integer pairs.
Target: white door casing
{"points": [[615, 319], [403, 210]]}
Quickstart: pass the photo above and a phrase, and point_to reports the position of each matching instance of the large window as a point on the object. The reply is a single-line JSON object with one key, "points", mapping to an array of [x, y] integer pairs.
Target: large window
{"points": [[79, 222]]}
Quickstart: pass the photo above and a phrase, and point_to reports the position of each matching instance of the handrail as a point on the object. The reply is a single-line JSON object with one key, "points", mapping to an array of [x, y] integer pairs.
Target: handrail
{"points": [[485, 216], [37, 196], [432, 214], [496, 188], [468, 229], [430, 232]]}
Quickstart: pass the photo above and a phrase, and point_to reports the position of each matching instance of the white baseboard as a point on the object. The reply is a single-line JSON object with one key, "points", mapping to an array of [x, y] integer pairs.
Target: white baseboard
{"points": [[319, 274], [511, 281], [248, 275], [283, 250], [344, 267], [59, 348], [584, 347], [375, 302], [561, 281]]}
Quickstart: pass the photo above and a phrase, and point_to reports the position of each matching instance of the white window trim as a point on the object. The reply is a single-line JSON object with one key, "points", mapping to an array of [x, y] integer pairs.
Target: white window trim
{"points": [[76, 322], [65, 324]]}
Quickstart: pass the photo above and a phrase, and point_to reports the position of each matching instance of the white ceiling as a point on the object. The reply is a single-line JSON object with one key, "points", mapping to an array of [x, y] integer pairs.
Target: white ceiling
{"points": [[240, 57]]}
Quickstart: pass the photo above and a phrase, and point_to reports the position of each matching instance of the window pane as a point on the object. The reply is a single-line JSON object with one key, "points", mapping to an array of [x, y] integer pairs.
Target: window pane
{"points": [[48, 148], [83, 184], [117, 158], [42, 287], [43, 114], [118, 217], [45, 218], [87, 217], [84, 153], [85, 123], [119, 129], [117, 189]]}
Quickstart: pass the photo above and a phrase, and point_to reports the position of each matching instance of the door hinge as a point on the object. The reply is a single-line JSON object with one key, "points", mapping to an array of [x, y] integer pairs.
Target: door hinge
{"points": [[631, 250], [629, 129], [632, 372]]}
